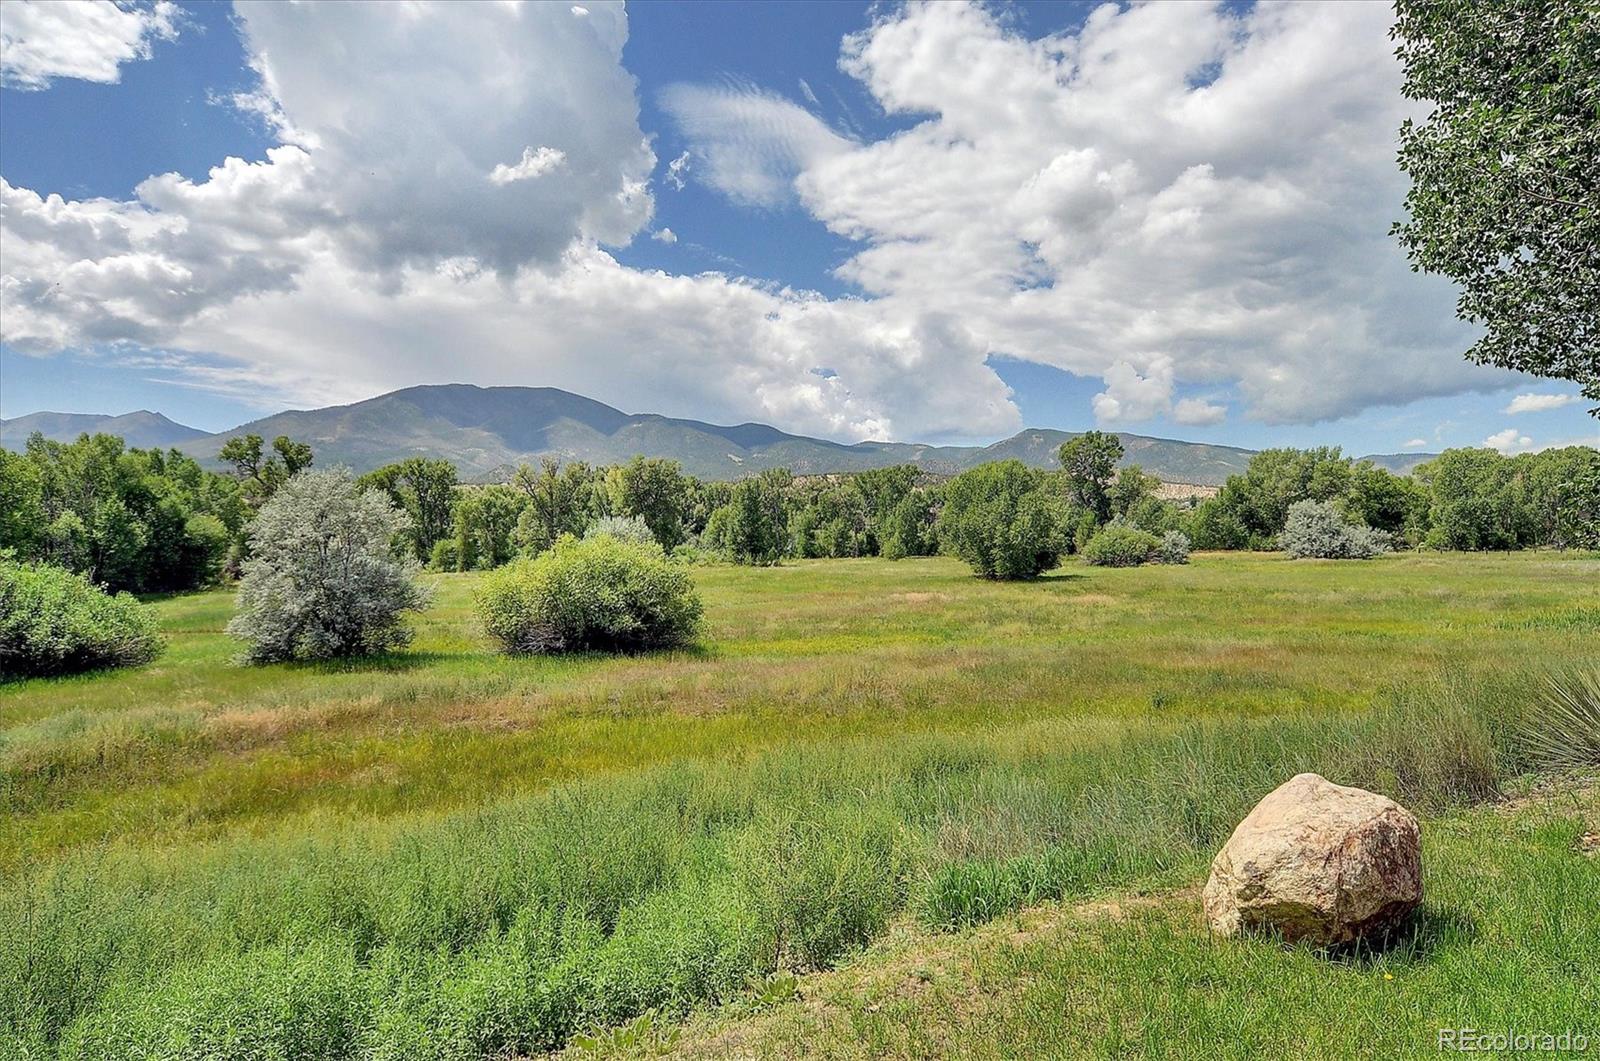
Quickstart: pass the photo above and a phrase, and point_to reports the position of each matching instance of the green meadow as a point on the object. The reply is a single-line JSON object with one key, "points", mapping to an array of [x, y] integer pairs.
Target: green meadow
{"points": [[864, 765]]}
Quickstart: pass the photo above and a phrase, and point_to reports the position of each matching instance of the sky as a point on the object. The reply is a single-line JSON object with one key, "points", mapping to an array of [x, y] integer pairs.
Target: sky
{"points": [[937, 223]]}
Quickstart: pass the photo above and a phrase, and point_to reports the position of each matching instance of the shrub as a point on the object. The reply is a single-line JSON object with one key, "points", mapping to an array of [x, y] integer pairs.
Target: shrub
{"points": [[55, 622], [322, 581], [1318, 529], [624, 529], [1173, 548], [1212, 526], [1000, 519], [1562, 731], [1119, 545], [445, 556], [598, 593]]}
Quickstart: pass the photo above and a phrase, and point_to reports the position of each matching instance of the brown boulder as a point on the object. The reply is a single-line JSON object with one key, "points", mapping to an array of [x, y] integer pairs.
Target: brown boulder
{"points": [[1319, 863]]}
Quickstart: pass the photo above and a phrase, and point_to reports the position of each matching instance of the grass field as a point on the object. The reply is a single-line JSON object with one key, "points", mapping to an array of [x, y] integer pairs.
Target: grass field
{"points": [[451, 853]]}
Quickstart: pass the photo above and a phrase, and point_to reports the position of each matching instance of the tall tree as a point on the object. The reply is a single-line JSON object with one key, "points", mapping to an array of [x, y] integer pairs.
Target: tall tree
{"points": [[425, 489], [1505, 171], [260, 473], [561, 500], [656, 491], [1090, 461]]}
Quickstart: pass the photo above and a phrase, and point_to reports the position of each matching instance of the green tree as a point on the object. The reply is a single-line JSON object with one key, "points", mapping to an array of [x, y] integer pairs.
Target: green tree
{"points": [[753, 527], [1475, 501], [22, 515], [1259, 499], [1131, 489], [424, 490], [1388, 502], [1003, 521], [261, 473], [656, 491], [908, 530], [131, 519], [1563, 496], [1090, 460], [561, 500], [486, 526], [1505, 171]]}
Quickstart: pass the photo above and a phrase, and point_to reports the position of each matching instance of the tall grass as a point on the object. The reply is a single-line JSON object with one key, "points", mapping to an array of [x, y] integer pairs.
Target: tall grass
{"points": [[1562, 731], [507, 929]]}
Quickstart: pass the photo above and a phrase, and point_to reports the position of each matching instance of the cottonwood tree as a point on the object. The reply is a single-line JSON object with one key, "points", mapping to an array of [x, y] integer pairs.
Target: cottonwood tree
{"points": [[425, 490], [655, 490], [263, 473], [561, 500], [1505, 170], [1090, 460]]}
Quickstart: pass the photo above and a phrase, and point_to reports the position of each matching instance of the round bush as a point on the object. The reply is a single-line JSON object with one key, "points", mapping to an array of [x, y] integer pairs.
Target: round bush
{"points": [[1318, 529], [1001, 519], [322, 581], [1173, 548], [1121, 546], [623, 528], [599, 593], [55, 622]]}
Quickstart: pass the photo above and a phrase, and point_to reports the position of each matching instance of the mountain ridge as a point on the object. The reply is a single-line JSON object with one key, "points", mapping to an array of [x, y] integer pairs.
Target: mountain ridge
{"points": [[141, 428], [485, 431]]}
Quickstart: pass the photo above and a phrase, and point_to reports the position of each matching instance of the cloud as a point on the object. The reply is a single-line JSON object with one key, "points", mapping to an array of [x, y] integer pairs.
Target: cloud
{"points": [[532, 164], [664, 235], [88, 40], [1416, 443], [1197, 412], [753, 142], [1086, 201], [1130, 397], [676, 169], [1538, 403], [1182, 181], [1509, 442]]}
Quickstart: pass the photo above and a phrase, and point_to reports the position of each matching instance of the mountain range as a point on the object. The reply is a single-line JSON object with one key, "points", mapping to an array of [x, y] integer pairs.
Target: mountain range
{"points": [[487, 431], [140, 430]]}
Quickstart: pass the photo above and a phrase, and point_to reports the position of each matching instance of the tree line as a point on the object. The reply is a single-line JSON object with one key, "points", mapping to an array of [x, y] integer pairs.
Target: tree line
{"points": [[153, 520]]}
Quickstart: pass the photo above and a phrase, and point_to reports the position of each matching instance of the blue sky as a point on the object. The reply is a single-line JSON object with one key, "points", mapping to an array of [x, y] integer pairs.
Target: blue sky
{"points": [[933, 224]]}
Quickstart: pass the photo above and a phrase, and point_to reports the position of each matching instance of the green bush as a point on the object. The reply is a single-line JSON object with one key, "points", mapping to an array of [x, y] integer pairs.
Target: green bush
{"points": [[55, 622], [1001, 519], [599, 593], [1119, 545]]}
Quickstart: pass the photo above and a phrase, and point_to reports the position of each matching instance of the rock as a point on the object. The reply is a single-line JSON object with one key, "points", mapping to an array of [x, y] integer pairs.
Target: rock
{"points": [[1318, 863]]}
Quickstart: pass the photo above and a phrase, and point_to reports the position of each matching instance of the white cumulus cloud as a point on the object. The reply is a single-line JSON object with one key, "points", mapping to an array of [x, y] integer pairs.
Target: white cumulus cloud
{"points": [[1178, 199], [84, 39], [1538, 403], [1509, 441], [1198, 412], [534, 163]]}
